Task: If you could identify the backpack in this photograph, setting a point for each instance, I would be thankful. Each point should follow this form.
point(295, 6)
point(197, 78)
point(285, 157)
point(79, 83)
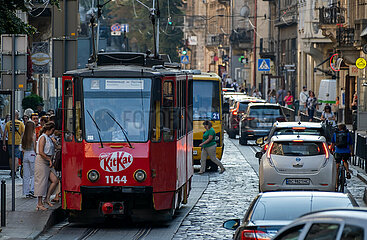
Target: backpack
point(341, 140)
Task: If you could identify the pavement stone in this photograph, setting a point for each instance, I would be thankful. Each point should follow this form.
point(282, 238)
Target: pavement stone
point(25, 222)
point(227, 196)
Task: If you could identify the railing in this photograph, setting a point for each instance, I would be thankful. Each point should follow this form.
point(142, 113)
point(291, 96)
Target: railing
point(267, 46)
point(360, 158)
point(214, 40)
point(345, 36)
point(241, 36)
point(332, 15)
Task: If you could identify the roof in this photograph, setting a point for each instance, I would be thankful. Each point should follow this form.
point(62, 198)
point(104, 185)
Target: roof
point(298, 124)
point(356, 213)
point(251, 99)
point(303, 194)
point(306, 138)
point(206, 76)
point(264, 104)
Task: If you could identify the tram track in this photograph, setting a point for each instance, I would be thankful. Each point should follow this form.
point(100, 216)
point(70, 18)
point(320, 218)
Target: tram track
point(142, 233)
point(88, 233)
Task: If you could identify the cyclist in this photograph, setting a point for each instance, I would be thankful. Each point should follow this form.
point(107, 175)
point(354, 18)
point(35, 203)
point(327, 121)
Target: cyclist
point(342, 142)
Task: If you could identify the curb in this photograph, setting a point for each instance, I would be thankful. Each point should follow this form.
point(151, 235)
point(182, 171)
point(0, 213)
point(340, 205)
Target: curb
point(57, 216)
point(363, 178)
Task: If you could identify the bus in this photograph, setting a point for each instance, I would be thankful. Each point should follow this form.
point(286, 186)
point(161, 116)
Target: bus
point(207, 105)
point(127, 139)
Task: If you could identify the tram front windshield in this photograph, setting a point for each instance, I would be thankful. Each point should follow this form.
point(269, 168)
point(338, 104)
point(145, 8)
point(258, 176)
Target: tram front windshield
point(206, 100)
point(127, 100)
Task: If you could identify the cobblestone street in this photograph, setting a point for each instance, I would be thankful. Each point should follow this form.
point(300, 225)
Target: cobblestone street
point(228, 196)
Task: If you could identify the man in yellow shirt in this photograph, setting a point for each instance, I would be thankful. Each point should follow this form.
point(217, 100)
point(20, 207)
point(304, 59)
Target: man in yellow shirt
point(19, 130)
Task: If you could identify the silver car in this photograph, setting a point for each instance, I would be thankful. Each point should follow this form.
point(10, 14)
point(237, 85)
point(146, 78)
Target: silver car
point(337, 224)
point(297, 163)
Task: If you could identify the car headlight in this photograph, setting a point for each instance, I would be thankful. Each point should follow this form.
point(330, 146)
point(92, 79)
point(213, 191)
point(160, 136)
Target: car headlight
point(140, 175)
point(93, 175)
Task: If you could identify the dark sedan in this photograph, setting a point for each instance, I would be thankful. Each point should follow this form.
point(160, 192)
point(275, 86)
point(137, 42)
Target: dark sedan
point(271, 211)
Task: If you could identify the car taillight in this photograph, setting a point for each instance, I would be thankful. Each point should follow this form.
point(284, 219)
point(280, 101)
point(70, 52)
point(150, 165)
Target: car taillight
point(281, 119)
point(249, 118)
point(326, 150)
point(254, 235)
point(269, 150)
point(235, 113)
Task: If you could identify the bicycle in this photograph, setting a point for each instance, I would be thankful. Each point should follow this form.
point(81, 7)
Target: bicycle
point(341, 177)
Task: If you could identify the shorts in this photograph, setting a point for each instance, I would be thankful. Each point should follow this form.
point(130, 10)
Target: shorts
point(340, 156)
point(16, 151)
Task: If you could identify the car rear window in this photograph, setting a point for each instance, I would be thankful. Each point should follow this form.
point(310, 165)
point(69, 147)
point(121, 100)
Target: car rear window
point(319, 203)
point(297, 148)
point(265, 110)
point(272, 208)
point(291, 131)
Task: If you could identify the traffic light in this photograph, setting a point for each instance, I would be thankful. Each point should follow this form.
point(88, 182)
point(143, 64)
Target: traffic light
point(240, 59)
point(184, 52)
point(169, 20)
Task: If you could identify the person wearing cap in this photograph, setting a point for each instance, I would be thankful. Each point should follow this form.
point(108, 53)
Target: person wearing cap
point(302, 100)
point(19, 130)
point(40, 110)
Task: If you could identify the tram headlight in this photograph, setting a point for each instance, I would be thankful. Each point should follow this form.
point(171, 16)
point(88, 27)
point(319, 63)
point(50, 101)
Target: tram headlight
point(93, 175)
point(140, 175)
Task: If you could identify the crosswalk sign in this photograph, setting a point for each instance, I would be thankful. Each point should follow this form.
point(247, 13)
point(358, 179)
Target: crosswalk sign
point(185, 59)
point(263, 64)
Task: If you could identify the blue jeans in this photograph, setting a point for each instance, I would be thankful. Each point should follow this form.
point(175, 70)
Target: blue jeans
point(310, 113)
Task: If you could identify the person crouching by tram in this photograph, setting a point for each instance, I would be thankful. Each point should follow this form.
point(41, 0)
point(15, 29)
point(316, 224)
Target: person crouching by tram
point(208, 147)
point(44, 171)
point(29, 157)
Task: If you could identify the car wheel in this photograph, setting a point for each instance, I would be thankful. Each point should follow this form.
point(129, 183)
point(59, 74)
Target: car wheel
point(211, 167)
point(231, 134)
point(243, 140)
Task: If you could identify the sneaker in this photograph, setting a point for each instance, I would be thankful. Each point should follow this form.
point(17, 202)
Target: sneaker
point(348, 175)
point(31, 195)
point(222, 171)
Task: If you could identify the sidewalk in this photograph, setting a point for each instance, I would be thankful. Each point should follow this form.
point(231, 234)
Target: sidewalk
point(25, 222)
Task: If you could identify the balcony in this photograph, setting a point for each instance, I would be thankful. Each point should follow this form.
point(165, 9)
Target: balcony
point(345, 36)
point(288, 16)
point(214, 40)
point(224, 2)
point(332, 15)
point(267, 48)
point(241, 38)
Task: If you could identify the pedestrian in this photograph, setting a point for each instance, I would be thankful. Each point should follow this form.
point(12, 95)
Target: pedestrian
point(281, 95)
point(302, 100)
point(311, 105)
point(228, 81)
point(289, 100)
point(328, 116)
point(272, 96)
point(43, 121)
point(342, 141)
point(40, 110)
point(335, 108)
point(25, 119)
point(209, 147)
point(354, 103)
point(235, 85)
point(19, 130)
point(256, 93)
point(35, 119)
point(44, 171)
point(29, 157)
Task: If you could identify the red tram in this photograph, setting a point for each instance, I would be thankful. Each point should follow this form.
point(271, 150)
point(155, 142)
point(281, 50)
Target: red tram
point(127, 138)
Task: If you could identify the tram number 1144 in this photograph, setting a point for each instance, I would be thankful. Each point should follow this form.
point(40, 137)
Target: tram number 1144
point(115, 179)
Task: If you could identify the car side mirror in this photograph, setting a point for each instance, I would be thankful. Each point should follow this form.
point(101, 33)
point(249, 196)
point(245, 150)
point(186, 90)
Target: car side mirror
point(225, 108)
point(260, 141)
point(232, 224)
point(259, 155)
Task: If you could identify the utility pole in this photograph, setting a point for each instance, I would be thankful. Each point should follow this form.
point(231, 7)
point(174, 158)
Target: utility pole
point(254, 49)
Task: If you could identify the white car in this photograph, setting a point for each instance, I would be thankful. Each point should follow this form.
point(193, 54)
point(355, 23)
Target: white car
point(297, 163)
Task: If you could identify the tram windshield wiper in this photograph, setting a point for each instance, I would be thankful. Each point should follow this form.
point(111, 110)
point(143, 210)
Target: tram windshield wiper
point(122, 129)
point(98, 129)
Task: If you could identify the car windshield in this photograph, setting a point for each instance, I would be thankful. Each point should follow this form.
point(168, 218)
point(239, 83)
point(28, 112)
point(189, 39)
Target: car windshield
point(127, 100)
point(272, 208)
point(298, 148)
point(206, 100)
point(291, 131)
point(243, 107)
point(264, 110)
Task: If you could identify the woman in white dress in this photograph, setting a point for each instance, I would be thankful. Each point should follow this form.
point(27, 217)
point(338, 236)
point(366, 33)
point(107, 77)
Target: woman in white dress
point(44, 171)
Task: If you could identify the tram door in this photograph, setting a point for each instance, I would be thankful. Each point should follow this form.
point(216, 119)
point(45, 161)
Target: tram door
point(5, 109)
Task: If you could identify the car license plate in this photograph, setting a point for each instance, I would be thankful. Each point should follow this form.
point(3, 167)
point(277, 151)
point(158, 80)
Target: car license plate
point(195, 152)
point(298, 181)
point(264, 124)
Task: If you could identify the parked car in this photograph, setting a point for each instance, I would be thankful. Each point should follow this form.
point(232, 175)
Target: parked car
point(292, 128)
point(258, 120)
point(240, 107)
point(335, 224)
point(297, 163)
point(271, 211)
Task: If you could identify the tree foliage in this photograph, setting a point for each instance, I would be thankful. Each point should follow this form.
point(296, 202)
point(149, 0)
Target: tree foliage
point(31, 101)
point(10, 23)
point(141, 29)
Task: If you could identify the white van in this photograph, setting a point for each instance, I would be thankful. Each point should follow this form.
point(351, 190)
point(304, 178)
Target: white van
point(327, 93)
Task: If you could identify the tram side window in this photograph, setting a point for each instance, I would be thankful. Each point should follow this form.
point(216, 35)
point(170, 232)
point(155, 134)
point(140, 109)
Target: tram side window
point(68, 111)
point(167, 110)
point(190, 106)
point(181, 102)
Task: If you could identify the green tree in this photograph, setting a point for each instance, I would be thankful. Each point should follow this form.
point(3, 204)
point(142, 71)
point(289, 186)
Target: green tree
point(31, 101)
point(10, 23)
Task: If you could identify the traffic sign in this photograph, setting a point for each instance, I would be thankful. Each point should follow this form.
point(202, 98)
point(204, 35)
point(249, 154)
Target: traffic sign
point(361, 63)
point(125, 28)
point(185, 59)
point(263, 64)
point(116, 27)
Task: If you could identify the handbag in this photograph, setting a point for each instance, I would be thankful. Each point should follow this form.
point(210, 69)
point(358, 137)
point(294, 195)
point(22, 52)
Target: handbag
point(57, 160)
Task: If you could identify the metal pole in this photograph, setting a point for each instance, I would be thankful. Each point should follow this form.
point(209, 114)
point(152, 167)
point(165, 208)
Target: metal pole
point(13, 123)
point(97, 42)
point(255, 29)
point(57, 93)
point(3, 203)
point(158, 35)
